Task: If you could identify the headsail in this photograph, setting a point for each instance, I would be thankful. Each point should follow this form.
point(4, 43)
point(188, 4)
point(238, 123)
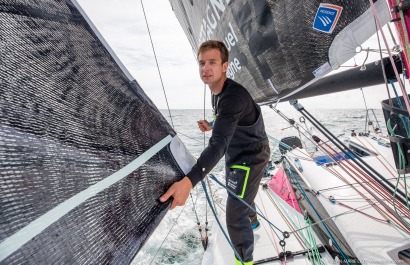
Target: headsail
point(84, 153)
point(276, 46)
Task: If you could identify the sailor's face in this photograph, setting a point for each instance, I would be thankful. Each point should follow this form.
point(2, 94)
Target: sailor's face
point(211, 68)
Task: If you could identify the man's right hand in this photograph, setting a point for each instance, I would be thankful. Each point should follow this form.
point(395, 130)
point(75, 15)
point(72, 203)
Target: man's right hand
point(179, 191)
point(204, 126)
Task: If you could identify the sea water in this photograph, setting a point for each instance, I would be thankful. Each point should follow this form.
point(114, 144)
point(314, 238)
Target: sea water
point(177, 239)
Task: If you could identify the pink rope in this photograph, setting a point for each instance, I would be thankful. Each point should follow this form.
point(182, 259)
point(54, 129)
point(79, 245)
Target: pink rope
point(403, 91)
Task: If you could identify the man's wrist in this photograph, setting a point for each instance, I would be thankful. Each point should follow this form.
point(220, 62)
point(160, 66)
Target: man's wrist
point(188, 181)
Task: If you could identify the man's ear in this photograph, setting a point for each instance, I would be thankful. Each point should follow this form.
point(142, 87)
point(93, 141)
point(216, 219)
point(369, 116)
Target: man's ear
point(225, 66)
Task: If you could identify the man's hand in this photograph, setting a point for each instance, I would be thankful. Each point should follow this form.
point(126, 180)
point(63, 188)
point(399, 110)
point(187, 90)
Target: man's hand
point(204, 126)
point(179, 191)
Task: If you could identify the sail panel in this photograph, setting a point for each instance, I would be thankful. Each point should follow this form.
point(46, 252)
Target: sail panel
point(282, 45)
point(356, 33)
point(81, 171)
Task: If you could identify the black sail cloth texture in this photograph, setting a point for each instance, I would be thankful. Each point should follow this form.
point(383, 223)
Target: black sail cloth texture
point(279, 47)
point(71, 119)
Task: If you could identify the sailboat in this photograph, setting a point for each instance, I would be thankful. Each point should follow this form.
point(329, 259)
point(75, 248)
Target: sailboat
point(85, 154)
point(349, 204)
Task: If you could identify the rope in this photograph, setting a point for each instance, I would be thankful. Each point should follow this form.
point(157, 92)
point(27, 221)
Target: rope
point(219, 223)
point(245, 203)
point(156, 61)
point(172, 122)
point(347, 185)
point(160, 247)
point(270, 228)
point(377, 154)
point(288, 220)
point(367, 113)
point(373, 186)
point(313, 252)
point(317, 214)
point(206, 177)
point(401, 166)
point(187, 136)
point(406, 99)
point(406, 125)
point(203, 241)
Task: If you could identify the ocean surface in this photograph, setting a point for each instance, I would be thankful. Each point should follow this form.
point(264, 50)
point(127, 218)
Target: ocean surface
point(176, 240)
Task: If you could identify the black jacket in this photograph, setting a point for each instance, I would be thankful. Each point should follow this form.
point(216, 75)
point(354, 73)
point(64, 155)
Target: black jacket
point(234, 108)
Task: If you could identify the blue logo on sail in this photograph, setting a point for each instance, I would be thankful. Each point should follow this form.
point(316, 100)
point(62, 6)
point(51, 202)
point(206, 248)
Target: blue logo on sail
point(326, 18)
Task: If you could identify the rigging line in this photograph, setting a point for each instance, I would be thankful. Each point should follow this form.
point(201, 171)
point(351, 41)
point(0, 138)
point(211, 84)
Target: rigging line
point(367, 113)
point(375, 186)
point(222, 207)
point(376, 154)
point(197, 219)
point(176, 220)
point(363, 165)
point(179, 133)
point(322, 221)
point(219, 223)
point(382, 201)
point(405, 33)
point(349, 185)
point(286, 218)
point(359, 173)
point(156, 61)
point(382, 64)
point(363, 67)
point(206, 177)
point(404, 93)
point(166, 99)
point(363, 175)
point(317, 214)
point(283, 116)
point(366, 199)
point(361, 212)
point(401, 162)
point(392, 36)
point(346, 180)
point(241, 200)
point(313, 253)
point(405, 124)
point(270, 228)
point(279, 211)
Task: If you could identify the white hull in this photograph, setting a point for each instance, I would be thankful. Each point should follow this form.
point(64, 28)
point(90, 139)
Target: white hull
point(371, 238)
point(219, 251)
point(373, 241)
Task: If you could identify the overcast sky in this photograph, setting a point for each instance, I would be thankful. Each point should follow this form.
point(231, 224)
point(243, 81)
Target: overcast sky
point(123, 26)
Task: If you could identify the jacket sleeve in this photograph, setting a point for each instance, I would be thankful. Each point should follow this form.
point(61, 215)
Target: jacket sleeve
point(230, 108)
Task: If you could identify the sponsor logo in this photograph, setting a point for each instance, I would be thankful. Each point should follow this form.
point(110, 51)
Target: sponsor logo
point(326, 18)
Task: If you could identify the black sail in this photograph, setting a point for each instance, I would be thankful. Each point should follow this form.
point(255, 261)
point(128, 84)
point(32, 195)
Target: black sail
point(283, 45)
point(84, 153)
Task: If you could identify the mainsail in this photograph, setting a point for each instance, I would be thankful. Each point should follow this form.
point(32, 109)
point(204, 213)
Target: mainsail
point(281, 46)
point(84, 153)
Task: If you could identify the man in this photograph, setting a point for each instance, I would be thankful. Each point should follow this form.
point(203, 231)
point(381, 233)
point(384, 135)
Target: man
point(238, 133)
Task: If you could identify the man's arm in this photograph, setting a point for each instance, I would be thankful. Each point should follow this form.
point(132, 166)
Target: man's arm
point(179, 191)
point(224, 128)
